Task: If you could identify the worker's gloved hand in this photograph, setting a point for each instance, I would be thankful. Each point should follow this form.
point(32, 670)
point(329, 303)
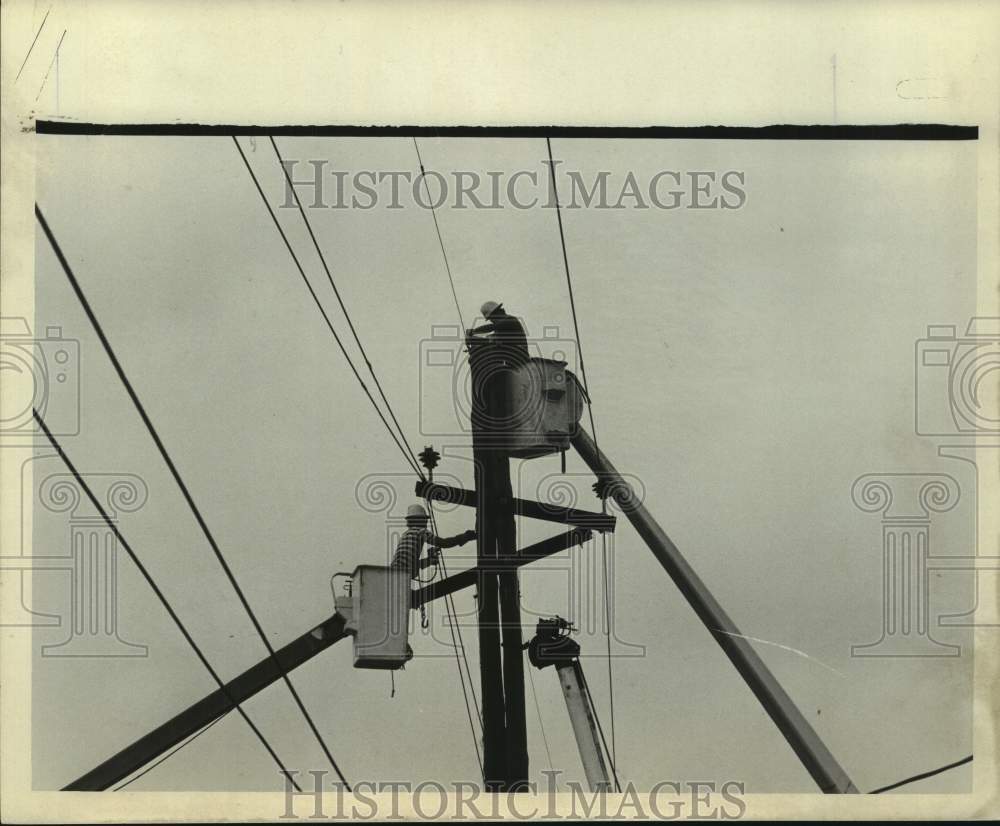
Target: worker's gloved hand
point(468, 536)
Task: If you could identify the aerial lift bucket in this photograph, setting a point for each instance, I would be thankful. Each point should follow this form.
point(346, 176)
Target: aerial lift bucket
point(376, 610)
point(543, 405)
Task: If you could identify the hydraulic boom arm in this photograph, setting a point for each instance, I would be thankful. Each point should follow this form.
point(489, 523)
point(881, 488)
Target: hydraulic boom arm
point(819, 762)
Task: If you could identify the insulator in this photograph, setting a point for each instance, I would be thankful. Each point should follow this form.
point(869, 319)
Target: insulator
point(602, 488)
point(429, 457)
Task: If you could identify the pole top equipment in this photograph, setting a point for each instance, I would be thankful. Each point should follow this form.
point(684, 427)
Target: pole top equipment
point(552, 644)
point(429, 458)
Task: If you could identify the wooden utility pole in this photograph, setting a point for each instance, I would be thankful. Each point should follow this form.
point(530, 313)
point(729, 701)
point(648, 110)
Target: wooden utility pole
point(510, 616)
point(487, 590)
point(501, 657)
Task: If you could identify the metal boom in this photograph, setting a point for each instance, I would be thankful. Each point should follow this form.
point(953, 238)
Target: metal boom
point(300, 650)
point(819, 762)
point(254, 679)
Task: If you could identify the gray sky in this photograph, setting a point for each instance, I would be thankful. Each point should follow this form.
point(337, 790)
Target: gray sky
point(747, 366)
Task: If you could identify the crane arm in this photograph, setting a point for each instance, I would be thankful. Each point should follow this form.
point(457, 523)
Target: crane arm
point(801, 736)
point(254, 679)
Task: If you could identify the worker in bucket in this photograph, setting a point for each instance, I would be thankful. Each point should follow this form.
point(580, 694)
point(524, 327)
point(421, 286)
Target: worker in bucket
point(507, 333)
point(411, 543)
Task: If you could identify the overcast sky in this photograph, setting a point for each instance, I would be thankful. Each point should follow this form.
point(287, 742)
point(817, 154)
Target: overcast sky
point(746, 365)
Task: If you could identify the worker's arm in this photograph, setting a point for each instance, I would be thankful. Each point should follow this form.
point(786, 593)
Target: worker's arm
point(486, 328)
point(452, 541)
point(436, 543)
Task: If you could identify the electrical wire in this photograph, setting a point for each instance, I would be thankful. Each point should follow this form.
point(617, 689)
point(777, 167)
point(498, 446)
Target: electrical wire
point(538, 712)
point(607, 630)
point(326, 318)
point(53, 62)
point(449, 598)
point(923, 775)
point(453, 620)
point(593, 429)
point(600, 730)
point(459, 646)
point(340, 301)
point(156, 589)
point(173, 751)
point(437, 229)
point(32, 46)
point(569, 286)
point(185, 492)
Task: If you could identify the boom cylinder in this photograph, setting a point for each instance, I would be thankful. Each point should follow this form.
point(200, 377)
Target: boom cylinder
point(581, 715)
point(806, 743)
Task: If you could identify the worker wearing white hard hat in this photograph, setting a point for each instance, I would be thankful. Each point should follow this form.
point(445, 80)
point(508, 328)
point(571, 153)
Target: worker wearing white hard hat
point(411, 543)
point(507, 331)
point(489, 307)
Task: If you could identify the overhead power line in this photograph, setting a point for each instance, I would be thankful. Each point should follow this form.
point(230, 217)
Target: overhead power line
point(172, 752)
point(453, 624)
point(923, 775)
point(319, 305)
point(53, 62)
point(32, 46)
point(459, 646)
point(600, 730)
point(538, 713)
point(152, 584)
point(437, 229)
point(184, 490)
point(340, 301)
point(593, 430)
point(569, 286)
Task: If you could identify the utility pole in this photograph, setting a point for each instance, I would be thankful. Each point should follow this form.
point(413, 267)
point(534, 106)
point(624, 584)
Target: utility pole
point(510, 615)
point(487, 591)
point(500, 650)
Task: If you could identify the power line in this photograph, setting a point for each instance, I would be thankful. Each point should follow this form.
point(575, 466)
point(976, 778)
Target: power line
point(923, 776)
point(149, 579)
point(593, 429)
point(452, 612)
point(449, 599)
point(453, 620)
point(600, 730)
point(437, 229)
point(319, 305)
point(32, 46)
point(173, 751)
point(607, 632)
point(459, 645)
point(569, 286)
point(538, 712)
point(53, 62)
point(336, 292)
point(184, 489)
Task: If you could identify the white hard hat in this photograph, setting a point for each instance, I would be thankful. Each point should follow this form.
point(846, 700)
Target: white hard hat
point(416, 512)
point(489, 308)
